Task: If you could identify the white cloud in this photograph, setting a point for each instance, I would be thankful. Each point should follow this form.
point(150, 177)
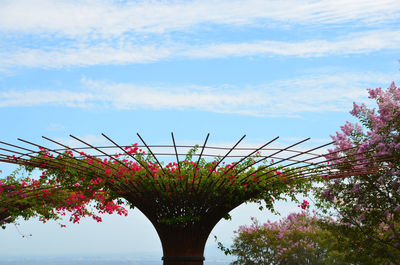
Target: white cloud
point(129, 96)
point(311, 93)
point(364, 42)
point(83, 56)
point(112, 18)
point(44, 97)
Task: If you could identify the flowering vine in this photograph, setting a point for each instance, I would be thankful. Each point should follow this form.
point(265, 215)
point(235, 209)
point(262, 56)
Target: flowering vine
point(71, 181)
point(27, 197)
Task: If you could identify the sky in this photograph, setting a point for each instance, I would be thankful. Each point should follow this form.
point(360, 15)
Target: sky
point(262, 68)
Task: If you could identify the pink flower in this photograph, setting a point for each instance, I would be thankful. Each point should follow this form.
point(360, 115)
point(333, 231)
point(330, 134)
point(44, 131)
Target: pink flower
point(347, 129)
point(357, 109)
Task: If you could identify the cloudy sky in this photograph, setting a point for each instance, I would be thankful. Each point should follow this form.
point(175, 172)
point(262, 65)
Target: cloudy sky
point(261, 68)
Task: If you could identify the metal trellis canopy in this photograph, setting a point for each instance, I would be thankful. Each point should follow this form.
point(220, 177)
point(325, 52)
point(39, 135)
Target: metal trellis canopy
point(183, 205)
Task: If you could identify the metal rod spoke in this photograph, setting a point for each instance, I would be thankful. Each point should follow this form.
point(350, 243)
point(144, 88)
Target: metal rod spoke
point(132, 156)
point(198, 161)
point(238, 163)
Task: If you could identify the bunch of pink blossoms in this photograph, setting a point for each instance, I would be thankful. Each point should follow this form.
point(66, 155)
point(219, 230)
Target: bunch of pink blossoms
point(296, 239)
point(370, 203)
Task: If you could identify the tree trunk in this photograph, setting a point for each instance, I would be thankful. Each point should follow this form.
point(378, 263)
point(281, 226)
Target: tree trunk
point(183, 246)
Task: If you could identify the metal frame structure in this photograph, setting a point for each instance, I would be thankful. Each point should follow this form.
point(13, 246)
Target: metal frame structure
point(183, 242)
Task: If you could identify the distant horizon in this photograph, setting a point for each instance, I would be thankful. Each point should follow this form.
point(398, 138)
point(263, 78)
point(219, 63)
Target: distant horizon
point(211, 253)
point(104, 258)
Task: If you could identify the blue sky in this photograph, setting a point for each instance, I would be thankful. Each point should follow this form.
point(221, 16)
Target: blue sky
point(261, 68)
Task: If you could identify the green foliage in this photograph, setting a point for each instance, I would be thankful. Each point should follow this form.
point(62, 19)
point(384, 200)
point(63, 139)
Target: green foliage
point(19, 197)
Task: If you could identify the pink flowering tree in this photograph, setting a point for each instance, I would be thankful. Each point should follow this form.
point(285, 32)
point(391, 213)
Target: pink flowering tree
point(369, 205)
point(296, 239)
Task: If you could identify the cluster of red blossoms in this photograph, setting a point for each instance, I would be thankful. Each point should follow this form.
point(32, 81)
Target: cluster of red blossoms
point(87, 185)
point(48, 199)
point(304, 205)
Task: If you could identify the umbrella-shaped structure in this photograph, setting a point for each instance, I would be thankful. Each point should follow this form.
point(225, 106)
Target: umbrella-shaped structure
point(187, 197)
